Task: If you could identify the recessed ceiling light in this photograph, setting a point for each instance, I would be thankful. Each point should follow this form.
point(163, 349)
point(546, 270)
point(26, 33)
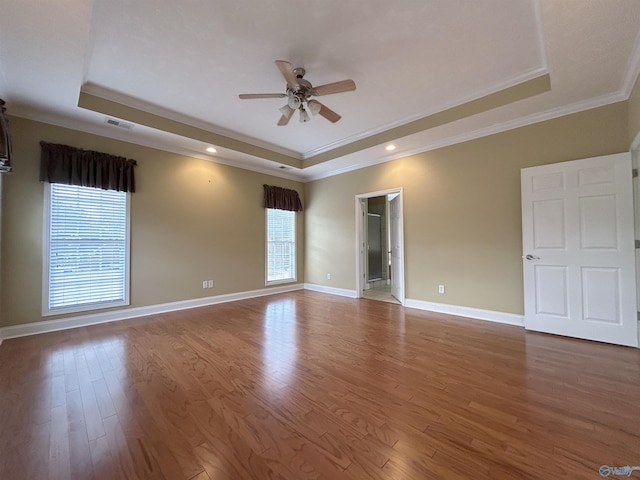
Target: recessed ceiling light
point(390, 148)
point(211, 150)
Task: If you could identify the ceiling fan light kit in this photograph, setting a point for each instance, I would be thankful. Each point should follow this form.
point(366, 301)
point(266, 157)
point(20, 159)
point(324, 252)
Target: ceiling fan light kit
point(286, 110)
point(299, 93)
point(314, 107)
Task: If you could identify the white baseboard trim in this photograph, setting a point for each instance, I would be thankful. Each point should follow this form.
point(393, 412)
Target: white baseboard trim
point(15, 331)
point(343, 292)
point(477, 313)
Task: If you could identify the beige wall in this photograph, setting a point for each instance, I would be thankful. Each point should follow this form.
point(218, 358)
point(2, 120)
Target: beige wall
point(191, 220)
point(462, 215)
point(634, 112)
point(194, 220)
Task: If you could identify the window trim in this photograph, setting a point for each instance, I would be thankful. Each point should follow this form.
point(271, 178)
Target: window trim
point(268, 282)
point(46, 246)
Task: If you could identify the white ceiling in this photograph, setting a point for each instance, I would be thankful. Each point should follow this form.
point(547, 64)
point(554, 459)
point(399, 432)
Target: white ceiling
point(189, 60)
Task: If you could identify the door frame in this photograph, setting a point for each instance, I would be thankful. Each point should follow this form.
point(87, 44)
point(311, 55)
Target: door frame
point(635, 163)
point(360, 225)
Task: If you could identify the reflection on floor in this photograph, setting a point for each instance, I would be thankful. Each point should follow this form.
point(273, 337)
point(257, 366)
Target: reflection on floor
point(380, 292)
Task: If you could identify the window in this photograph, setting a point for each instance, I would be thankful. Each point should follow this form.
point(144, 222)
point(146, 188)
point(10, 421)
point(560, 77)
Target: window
point(86, 249)
point(281, 246)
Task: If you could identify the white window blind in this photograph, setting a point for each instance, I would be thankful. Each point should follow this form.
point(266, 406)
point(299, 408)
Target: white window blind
point(86, 249)
point(281, 246)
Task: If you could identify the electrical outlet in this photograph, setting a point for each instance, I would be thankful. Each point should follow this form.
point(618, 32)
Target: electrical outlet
point(440, 288)
point(210, 284)
point(328, 276)
point(204, 284)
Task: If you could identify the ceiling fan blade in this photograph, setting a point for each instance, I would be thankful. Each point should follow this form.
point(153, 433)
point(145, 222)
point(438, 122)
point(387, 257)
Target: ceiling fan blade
point(284, 119)
point(336, 87)
point(287, 72)
point(248, 96)
point(326, 112)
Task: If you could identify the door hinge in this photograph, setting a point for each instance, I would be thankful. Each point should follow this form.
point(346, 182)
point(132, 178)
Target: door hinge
point(634, 173)
point(637, 243)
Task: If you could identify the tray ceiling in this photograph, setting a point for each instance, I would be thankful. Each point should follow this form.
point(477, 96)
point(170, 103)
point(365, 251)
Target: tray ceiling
point(428, 72)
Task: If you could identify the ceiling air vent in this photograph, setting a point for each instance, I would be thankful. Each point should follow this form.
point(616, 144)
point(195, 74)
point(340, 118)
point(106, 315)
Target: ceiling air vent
point(118, 123)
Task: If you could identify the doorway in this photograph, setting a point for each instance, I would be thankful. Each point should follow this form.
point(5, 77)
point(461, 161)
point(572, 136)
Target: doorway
point(380, 246)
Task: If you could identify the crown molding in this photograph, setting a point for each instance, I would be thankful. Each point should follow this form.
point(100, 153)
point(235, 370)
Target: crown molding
point(498, 87)
point(523, 122)
point(157, 144)
point(630, 77)
point(113, 96)
point(541, 70)
point(480, 133)
point(349, 168)
point(299, 175)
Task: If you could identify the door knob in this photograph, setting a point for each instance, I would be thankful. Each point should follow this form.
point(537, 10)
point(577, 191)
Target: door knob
point(531, 257)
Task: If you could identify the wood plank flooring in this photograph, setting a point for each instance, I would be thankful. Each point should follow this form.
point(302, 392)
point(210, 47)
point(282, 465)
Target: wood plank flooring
point(304, 386)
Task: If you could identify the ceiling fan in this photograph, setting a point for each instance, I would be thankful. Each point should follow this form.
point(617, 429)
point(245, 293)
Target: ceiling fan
point(299, 92)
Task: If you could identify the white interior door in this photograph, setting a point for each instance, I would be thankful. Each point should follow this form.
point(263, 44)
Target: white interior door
point(578, 249)
point(397, 265)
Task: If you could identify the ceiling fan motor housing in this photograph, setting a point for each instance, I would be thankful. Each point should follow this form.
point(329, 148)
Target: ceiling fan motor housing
point(295, 100)
point(299, 92)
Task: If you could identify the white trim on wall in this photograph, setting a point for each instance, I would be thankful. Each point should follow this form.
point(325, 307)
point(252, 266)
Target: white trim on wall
point(47, 253)
point(476, 313)
point(66, 323)
point(434, 109)
point(342, 292)
point(360, 225)
point(16, 331)
point(635, 159)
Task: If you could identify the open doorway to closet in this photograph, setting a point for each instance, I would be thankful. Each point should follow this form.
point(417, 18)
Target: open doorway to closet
point(380, 246)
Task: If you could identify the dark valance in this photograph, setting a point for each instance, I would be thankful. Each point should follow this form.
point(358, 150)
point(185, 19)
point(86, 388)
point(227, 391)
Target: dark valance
point(281, 198)
point(86, 168)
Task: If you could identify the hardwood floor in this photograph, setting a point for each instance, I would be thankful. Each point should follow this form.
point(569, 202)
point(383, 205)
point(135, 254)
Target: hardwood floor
point(305, 385)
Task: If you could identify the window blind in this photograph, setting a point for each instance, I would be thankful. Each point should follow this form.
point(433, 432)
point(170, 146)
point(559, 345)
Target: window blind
point(88, 247)
point(281, 245)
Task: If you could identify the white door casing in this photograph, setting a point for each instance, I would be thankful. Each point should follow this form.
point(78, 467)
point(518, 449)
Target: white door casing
point(397, 262)
point(364, 206)
point(395, 225)
point(579, 249)
point(635, 160)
